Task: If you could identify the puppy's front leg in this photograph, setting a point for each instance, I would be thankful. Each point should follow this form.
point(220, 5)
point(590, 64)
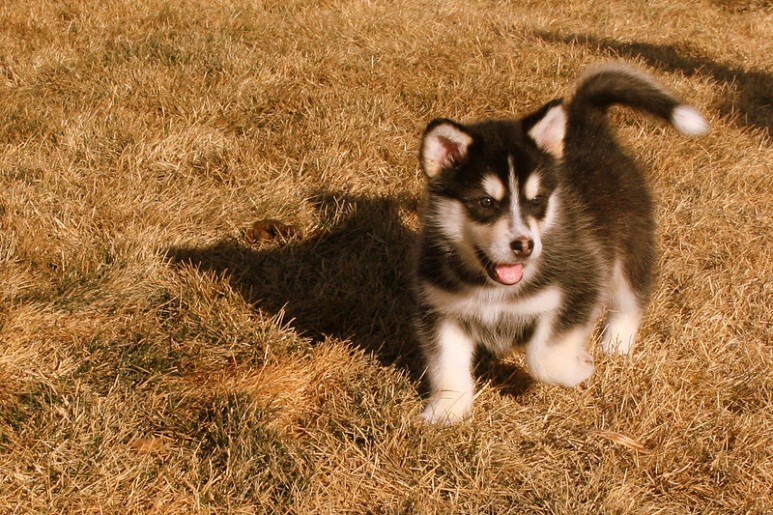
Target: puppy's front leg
point(559, 357)
point(449, 370)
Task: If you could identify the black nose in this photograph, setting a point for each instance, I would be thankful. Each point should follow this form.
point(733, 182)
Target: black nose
point(522, 247)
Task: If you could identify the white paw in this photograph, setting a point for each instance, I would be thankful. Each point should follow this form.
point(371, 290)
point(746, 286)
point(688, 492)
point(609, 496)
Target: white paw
point(575, 371)
point(616, 343)
point(620, 334)
point(447, 409)
point(557, 366)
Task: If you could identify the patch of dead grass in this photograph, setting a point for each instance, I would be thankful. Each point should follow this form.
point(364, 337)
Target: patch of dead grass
point(155, 358)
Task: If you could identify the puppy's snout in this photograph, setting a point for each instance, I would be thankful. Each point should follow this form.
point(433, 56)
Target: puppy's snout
point(522, 247)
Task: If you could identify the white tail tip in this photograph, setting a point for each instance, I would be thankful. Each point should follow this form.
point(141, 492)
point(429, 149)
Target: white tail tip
point(688, 120)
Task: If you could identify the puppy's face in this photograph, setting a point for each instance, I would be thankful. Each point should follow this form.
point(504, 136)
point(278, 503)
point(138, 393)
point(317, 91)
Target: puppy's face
point(492, 193)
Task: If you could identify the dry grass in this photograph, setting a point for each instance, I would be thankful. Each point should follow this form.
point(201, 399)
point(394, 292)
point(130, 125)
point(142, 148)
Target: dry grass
point(156, 358)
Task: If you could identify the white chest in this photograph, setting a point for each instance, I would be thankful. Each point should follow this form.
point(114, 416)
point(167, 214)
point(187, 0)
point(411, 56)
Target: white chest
point(492, 305)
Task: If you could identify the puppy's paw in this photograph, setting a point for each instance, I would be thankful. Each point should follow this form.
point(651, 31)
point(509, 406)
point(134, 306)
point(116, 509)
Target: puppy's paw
point(580, 371)
point(620, 334)
point(616, 344)
point(561, 366)
point(571, 370)
point(447, 410)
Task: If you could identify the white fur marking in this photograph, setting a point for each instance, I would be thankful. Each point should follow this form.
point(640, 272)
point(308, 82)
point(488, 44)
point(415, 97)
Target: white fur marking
point(549, 132)
point(531, 188)
point(450, 376)
point(688, 120)
point(551, 215)
point(536, 238)
point(494, 187)
point(624, 314)
point(518, 229)
point(559, 359)
point(489, 304)
point(620, 333)
point(448, 215)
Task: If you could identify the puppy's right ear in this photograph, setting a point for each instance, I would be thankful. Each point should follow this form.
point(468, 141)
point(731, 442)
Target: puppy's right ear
point(444, 144)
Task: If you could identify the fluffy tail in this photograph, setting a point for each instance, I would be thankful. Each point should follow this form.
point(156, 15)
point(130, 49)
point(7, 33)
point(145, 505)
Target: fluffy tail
point(616, 83)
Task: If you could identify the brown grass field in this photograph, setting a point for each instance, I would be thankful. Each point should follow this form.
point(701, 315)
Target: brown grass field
point(159, 354)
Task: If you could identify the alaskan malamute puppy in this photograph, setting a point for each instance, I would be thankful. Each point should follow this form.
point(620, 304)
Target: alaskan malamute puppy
point(531, 228)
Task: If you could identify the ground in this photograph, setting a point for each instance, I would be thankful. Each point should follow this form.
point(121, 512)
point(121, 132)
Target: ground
point(159, 352)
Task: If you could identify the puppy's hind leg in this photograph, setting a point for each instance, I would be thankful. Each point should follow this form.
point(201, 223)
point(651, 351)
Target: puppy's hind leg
point(625, 312)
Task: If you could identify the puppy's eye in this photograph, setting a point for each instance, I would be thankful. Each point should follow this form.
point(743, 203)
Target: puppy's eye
point(537, 201)
point(486, 202)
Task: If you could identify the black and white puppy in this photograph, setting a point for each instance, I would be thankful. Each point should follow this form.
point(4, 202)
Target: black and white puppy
point(531, 228)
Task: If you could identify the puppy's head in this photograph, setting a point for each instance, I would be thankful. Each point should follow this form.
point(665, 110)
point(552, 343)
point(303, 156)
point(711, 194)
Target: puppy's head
point(492, 189)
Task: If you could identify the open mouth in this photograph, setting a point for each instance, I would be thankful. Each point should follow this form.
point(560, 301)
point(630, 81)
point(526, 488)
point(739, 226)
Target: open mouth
point(503, 273)
point(507, 274)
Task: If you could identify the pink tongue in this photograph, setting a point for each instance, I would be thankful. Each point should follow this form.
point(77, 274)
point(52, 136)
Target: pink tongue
point(509, 274)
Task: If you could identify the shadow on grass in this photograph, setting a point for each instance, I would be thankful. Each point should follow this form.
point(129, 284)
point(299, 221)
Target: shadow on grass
point(351, 282)
point(753, 102)
point(506, 378)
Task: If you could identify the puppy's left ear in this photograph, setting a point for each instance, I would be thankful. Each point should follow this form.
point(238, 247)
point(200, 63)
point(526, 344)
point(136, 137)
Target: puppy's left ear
point(445, 143)
point(547, 127)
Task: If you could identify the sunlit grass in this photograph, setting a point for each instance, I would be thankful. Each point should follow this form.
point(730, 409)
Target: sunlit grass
point(155, 356)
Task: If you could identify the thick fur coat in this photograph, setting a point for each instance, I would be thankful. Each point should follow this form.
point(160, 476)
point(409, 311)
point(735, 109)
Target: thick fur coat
point(532, 228)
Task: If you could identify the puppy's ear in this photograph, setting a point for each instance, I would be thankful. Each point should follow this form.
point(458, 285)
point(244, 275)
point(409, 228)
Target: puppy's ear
point(444, 144)
point(547, 127)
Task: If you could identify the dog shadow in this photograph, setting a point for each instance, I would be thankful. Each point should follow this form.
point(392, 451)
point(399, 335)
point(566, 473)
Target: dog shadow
point(503, 376)
point(351, 282)
point(754, 97)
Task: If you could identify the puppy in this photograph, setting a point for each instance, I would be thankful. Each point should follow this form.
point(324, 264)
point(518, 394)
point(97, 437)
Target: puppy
point(531, 228)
